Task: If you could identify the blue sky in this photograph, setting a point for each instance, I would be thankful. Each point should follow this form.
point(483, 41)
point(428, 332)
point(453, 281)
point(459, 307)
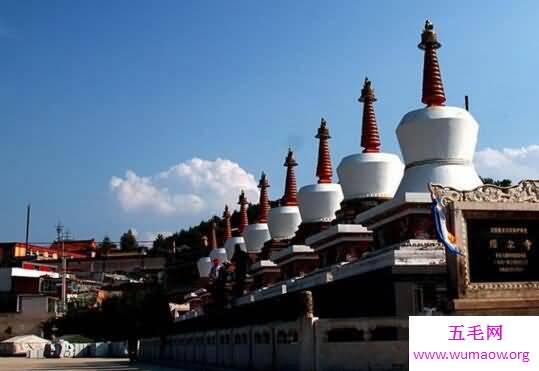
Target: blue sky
point(93, 89)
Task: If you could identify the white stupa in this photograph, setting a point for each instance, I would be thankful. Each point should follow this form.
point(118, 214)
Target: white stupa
point(437, 142)
point(319, 202)
point(371, 174)
point(257, 234)
point(230, 240)
point(220, 254)
point(204, 266)
point(215, 251)
point(230, 245)
point(283, 221)
point(205, 263)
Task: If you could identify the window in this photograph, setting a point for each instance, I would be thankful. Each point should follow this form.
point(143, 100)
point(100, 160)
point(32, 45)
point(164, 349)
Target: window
point(287, 338)
point(51, 305)
point(345, 335)
point(384, 334)
point(281, 337)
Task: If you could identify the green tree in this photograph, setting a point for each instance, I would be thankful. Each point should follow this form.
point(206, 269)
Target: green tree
point(140, 311)
point(160, 245)
point(105, 246)
point(128, 241)
point(499, 183)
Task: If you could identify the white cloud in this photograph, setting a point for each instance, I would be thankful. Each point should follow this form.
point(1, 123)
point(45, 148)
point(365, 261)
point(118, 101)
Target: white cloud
point(140, 193)
point(512, 163)
point(195, 186)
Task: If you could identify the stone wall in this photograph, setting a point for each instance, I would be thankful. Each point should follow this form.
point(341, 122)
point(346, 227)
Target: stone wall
point(13, 324)
point(373, 344)
point(87, 267)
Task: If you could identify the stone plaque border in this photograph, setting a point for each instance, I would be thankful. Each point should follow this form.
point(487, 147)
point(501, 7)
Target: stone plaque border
point(521, 199)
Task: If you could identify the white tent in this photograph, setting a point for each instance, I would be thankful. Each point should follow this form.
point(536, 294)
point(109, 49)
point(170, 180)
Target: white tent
point(20, 345)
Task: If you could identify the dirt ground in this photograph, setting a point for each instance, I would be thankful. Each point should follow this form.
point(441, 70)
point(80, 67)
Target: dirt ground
point(77, 364)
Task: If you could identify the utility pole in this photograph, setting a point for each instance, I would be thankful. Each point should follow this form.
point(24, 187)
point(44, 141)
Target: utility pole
point(66, 237)
point(27, 226)
point(60, 239)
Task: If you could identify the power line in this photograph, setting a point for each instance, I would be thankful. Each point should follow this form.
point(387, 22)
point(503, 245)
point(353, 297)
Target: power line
point(68, 241)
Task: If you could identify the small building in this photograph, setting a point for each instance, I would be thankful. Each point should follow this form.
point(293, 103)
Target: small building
point(80, 247)
point(24, 301)
point(12, 253)
point(37, 304)
point(15, 282)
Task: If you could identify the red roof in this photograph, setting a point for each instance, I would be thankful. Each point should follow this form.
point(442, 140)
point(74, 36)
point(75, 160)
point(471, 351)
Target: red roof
point(39, 266)
point(77, 246)
point(52, 250)
point(42, 249)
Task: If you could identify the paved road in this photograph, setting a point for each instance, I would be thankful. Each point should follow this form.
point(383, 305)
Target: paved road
point(77, 364)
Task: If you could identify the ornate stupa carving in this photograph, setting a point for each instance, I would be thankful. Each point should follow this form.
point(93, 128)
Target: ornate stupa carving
point(264, 204)
point(212, 237)
point(257, 234)
point(370, 137)
point(437, 142)
point(369, 177)
point(227, 233)
point(231, 239)
point(324, 170)
point(244, 218)
point(290, 197)
point(433, 87)
point(319, 202)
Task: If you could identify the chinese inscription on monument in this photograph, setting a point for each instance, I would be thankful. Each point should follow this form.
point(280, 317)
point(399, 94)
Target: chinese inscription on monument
point(503, 250)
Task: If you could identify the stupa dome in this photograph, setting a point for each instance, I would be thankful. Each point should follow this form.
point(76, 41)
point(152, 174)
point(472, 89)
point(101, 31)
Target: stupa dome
point(437, 142)
point(371, 174)
point(230, 245)
point(231, 241)
point(283, 221)
point(215, 252)
point(204, 266)
point(219, 253)
point(257, 234)
point(319, 202)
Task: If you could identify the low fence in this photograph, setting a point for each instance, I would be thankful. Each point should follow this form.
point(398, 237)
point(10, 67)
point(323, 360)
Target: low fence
point(347, 344)
point(117, 349)
point(306, 344)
